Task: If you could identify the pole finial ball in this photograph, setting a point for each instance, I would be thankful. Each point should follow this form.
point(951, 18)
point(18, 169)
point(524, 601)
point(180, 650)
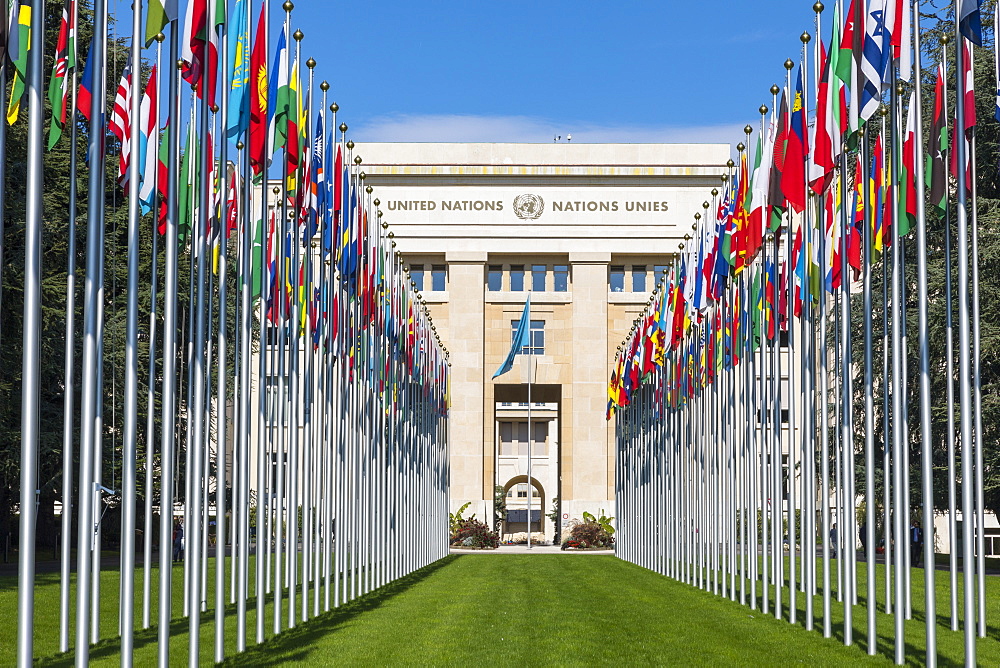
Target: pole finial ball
point(789, 64)
point(740, 147)
point(748, 129)
point(805, 37)
point(687, 237)
point(818, 7)
point(324, 86)
point(180, 63)
point(334, 107)
point(730, 164)
point(276, 190)
point(376, 201)
point(724, 177)
point(297, 35)
point(287, 6)
point(350, 144)
point(705, 205)
point(385, 225)
point(774, 89)
point(762, 109)
point(239, 146)
point(945, 38)
point(900, 88)
point(160, 37)
point(697, 216)
point(310, 63)
point(215, 108)
point(343, 127)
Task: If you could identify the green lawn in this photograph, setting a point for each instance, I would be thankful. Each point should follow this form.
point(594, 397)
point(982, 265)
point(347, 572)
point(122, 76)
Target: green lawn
point(528, 609)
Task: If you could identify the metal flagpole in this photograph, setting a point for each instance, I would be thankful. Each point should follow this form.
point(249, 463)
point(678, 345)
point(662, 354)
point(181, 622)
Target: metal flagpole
point(30, 374)
point(964, 348)
point(89, 395)
point(866, 262)
point(927, 436)
point(66, 542)
point(221, 440)
point(131, 355)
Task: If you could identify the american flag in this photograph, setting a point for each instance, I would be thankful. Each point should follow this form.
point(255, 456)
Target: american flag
point(121, 121)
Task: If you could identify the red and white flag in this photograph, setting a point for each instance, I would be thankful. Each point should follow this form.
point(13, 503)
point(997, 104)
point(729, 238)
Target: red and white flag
point(120, 124)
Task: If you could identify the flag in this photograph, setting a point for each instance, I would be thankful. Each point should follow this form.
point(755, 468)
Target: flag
point(902, 37)
point(937, 146)
point(63, 61)
point(969, 21)
point(876, 53)
point(238, 38)
point(278, 91)
point(258, 97)
point(793, 177)
point(848, 70)
point(520, 338)
point(827, 130)
point(158, 15)
point(120, 124)
point(4, 29)
point(193, 41)
point(149, 129)
point(19, 58)
point(83, 97)
point(966, 83)
point(907, 205)
point(775, 197)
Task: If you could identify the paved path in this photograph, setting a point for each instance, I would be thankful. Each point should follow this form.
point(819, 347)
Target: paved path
point(535, 549)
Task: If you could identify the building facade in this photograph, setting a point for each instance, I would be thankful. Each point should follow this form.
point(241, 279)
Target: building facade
point(587, 229)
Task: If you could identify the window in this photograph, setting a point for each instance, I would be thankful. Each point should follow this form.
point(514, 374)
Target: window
point(617, 279)
point(276, 397)
point(276, 334)
point(767, 416)
point(561, 278)
point(538, 272)
point(514, 438)
point(437, 277)
point(658, 270)
point(638, 278)
point(536, 337)
point(417, 274)
point(517, 278)
point(494, 278)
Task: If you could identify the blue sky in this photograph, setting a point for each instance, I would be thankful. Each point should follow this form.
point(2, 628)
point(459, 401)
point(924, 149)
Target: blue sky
point(526, 71)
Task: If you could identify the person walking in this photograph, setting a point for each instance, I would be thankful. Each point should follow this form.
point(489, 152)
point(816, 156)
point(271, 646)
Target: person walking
point(833, 541)
point(178, 540)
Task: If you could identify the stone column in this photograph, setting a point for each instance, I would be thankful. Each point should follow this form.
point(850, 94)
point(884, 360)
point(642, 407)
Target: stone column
point(471, 452)
point(587, 436)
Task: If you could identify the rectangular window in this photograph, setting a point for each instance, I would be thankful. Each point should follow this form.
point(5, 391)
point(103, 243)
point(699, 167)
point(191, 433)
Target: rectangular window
point(638, 278)
point(617, 279)
point(538, 272)
point(276, 334)
point(438, 278)
point(417, 274)
point(276, 399)
point(494, 278)
point(541, 430)
point(658, 270)
point(536, 337)
point(561, 278)
point(517, 278)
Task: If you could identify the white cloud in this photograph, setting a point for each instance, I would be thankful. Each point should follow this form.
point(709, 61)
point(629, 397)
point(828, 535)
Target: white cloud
point(470, 128)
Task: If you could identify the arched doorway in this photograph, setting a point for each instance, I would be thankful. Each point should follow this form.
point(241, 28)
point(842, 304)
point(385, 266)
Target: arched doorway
point(521, 505)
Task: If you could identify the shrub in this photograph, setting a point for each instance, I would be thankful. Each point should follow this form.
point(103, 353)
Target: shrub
point(588, 534)
point(473, 533)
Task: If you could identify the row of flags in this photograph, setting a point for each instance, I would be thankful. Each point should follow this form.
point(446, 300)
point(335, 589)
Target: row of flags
point(797, 165)
point(234, 155)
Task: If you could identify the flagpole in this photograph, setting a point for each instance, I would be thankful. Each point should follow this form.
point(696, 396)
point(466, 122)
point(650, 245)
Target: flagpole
point(131, 355)
point(169, 396)
point(221, 440)
point(65, 541)
point(31, 349)
point(91, 360)
point(926, 431)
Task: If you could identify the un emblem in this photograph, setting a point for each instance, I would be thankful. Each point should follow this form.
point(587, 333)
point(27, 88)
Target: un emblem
point(528, 206)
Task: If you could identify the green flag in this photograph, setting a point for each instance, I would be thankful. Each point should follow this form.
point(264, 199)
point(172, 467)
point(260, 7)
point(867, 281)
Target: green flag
point(19, 57)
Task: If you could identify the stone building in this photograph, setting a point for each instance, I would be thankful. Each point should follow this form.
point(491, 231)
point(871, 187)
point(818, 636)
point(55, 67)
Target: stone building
point(586, 229)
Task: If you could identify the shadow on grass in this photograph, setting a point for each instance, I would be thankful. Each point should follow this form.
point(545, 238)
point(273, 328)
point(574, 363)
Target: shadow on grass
point(296, 644)
point(885, 642)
